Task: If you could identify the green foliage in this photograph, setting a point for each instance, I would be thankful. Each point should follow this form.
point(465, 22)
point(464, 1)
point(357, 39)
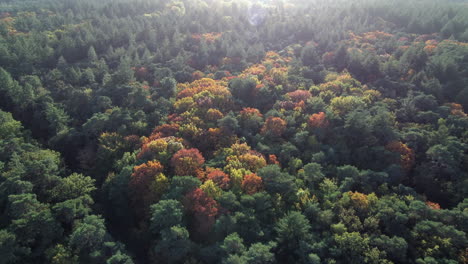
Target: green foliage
point(312, 174)
point(329, 131)
point(174, 245)
point(9, 127)
point(233, 244)
point(276, 181)
point(33, 223)
point(88, 237)
point(165, 214)
point(242, 89)
point(73, 186)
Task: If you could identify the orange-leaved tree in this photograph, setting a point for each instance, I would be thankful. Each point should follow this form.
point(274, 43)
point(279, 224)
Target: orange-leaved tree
point(252, 184)
point(407, 156)
point(219, 177)
point(274, 126)
point(318, 120)
point(142, 183)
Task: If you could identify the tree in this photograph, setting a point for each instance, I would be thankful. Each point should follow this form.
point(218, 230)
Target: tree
point(259, 253)
point(143, 178)
point(124, 73)
point(276, 181)
point(292, 230)
point(438, 240)
point(318, 121)
point(33, 224)
point(187, 162)
point(246, 159)
point(168, 87)
point(92, 56)
point(250, 120)
point(233, 244)
point(243, 89)
point(299, 95)
point(252, 184)
point(165, 214)
point(13, 95)
point(73, 209)
point(174, 245)
point(62, 254)
point(309, 55)
point(72, 187)
point(407, 156)
point(211, 189)
point(395, 247)
point(274, 126)
point(88, 237)
point(220, 178)
point(10, 251)
point(229, 122)
point(119, 258)
point(312, 174)
point(203, 208)
point(343, 105)
point(9, 127)
point(352, 246)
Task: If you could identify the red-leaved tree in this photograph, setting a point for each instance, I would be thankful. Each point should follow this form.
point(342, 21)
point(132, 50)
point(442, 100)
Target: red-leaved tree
point(203, 209)
point(140, 184)
point(299, 95)
point(219, 178)
point(187, 162)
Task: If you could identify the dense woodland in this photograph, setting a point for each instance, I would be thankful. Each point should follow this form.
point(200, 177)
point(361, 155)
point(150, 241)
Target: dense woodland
point(234, 132)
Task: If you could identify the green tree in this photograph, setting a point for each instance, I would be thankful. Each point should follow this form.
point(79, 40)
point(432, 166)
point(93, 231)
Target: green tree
point(88, 237)
point(165, 214)
point(174, 245)
point(33, 224)
point(9, 127)
point(293, 230)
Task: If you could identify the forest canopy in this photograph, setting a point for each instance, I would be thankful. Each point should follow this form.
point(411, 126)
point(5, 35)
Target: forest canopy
point(222, 131)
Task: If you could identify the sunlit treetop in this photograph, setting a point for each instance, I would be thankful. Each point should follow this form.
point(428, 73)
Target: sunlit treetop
point(202, 85)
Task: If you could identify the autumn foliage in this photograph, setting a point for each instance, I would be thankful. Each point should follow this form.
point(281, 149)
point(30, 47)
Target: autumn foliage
point(433, 206)
point(318, 120)
point(248, 112)
point(165, 130)
point(273, 160)
point(359, 200)
point(219, 178)
point(233, 131)
point(274, 126)
point(208, 37)
point(244, 158)
point(457, 109)
point(187, 162)
point(203, 208)
point(213, 115)
point(204, 84)
point(407, 156)
point(252, 184)
point(141, 183)
point(144, 174)
point(299, 95)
